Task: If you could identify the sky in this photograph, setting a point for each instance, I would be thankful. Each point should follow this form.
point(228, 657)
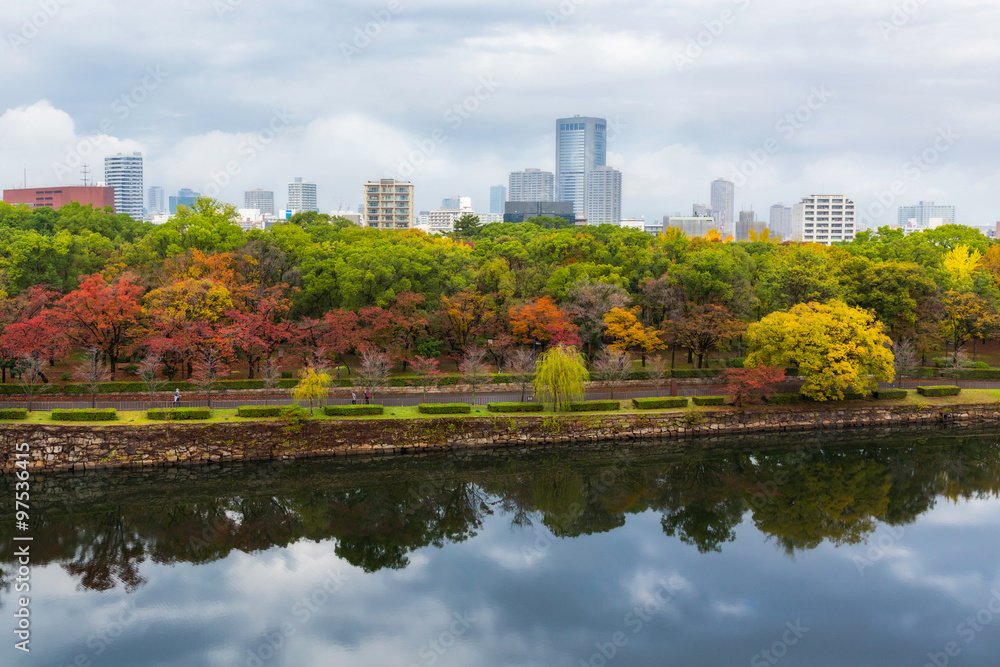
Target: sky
point(887, 101)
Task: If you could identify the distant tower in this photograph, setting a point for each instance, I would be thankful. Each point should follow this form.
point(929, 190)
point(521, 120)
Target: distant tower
point(724, 204)
point(261, 200)
point(581, 147)
point(302, 196)
point(498, 197)
point(123, 172)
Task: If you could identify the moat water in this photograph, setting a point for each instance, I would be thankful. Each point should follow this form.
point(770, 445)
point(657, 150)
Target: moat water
point(858, 548)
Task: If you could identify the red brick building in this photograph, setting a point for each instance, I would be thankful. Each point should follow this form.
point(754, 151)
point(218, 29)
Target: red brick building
point(58, 197)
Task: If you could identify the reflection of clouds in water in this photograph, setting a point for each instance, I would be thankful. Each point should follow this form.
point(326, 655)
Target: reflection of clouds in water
point(975, 512)
point(732, 609)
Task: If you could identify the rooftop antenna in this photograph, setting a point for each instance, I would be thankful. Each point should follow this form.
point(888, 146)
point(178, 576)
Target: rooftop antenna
point(86, 173)
point(25, 177)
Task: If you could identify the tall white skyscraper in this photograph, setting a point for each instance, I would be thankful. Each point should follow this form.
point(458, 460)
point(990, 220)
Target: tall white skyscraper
point(532, 185)
point(156, 201)
point(261, 200)
point(724, 204)
point(498, 197)
point(302, 197)
point(581, 147)
point(825, 219)
point(123, 172)
point(604, 196)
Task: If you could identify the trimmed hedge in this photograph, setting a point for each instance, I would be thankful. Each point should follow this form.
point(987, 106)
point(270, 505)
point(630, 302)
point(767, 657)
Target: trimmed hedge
point(259, 411)
point(974, 373)
point(353, 410)
point(515, 407)
point(595, 406)
point(709, 400)
point(688, 373)
point(178, 414)
point(18, 390)
point(943, 390)
point(659, 403)
point(784, 399)
point(890, 394)
point(855, 395)
point(100, 415)
point(13, 413)
point(444, 408)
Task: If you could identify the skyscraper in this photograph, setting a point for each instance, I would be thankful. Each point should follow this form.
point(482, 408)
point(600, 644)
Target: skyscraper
point(781, 221)
point(923, 214)
point(261, 200)
point(498, 197)
point(456, 203)
point(389, 204)
point(156, 202)
point(825, 219)
point(532, 185)
point(581, 147)
point(184, 197)
point(724, 204)
point(123, 172)
point(302, 197)
point(604, 196)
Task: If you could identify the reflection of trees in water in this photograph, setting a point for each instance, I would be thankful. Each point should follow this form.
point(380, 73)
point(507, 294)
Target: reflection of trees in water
point(379, 513)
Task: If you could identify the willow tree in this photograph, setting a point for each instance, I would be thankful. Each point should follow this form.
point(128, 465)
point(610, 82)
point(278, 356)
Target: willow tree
point(313, 386)
point(559, 376)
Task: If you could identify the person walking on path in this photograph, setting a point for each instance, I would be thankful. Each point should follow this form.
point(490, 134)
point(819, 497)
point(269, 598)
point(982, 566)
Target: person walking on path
point(367, 398)
point(354, 398)
point(177, 396)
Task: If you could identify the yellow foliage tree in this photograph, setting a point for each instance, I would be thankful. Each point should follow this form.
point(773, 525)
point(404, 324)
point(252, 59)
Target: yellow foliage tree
point(193, 299)
point(836, 347)
point(559, 376)
point(312, 386)
point(629, 333)
point(961, 263)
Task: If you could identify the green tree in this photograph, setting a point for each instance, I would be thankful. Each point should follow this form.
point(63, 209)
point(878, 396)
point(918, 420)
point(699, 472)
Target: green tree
point(836, 347)
point(559, 376)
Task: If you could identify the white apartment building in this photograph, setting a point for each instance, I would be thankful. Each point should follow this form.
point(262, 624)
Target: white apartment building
point(302, 197)
point(825, 219)
point(604, 196)
point(389, 204)
point(123, 172)
point(532, 185)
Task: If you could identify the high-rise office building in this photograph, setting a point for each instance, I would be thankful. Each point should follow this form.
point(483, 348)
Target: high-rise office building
point(698, 225)
point(747, 223)
point(156, 202)
point(389, 204)
point(302, 197)
point(261, 200)
point(701, 211)
point(581, 147)
point(604, 196)
point(925, 215)
point(781, 222)
point(825, 219)
point(123, 172)
point(532, 185)
point(724, 204)
point(520, 211)
point(456, 203)
point(184, 197)
point(498, 197)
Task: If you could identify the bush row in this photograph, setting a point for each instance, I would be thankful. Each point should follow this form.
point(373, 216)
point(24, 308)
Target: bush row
point(659, 403)
point(255, 411)
point(444, 409)
point(709, 400)
point(353, 410)
point(943, 390)
point(890, 394)
point(13, 413)
point(595, 406)
point(100, 415)
point(515, 407)
point(178, 414)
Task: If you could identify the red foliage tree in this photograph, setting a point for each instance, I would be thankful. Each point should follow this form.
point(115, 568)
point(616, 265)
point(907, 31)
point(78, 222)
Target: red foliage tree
point(543, 321)
point(752, 385)
point(256, 333)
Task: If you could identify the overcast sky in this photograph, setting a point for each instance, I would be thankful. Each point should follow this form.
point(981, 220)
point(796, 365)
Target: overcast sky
point(691, 89)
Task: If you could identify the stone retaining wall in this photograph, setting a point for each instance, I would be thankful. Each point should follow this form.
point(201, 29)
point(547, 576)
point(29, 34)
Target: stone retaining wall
point(60, 447)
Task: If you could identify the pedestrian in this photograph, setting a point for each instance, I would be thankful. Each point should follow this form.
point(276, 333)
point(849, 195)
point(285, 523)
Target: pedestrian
point(354, 398)
point(177, 396)
point(367, 398)
point(338, 372)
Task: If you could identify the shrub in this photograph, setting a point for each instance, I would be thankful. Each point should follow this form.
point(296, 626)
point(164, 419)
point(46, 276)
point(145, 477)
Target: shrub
point(979, 365)
point(131, 370)
point(890, 394)
point(100, 415)
point(736, 362)
point(975, 374)
point(943, 390)
point(855, 395)
point(709, 400)
point(688, 373)
point(16, 389)
point(287, 375)
point(784, 399)
point(595, 406)
point(259, 411)
point(66, 377)
point(444, 408)
point(13, 413)
point(659, 403)
point(178, 414)
point(515, 407)
point(353, 410)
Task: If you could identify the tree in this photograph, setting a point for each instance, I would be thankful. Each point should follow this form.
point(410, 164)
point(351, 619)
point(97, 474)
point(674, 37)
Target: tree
point(209, 367)
point(270, 373)
point(966, 316)
point(30, 377)
point(149, 369)
point(467, 226)
point(374, 371)
point(961, 263)
point(521, 366)
point(257, 331)
point(587, 304)
point(543, 321)
point(905, 359)
point(752, 385)
point(474, 369)
point(658, 368)
point(628, 333)
point(613, 367)
point(559, 376)
point(428, 372)
point(91, 372)
point(836, 347)
point(706, 326)
point(313, 386)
